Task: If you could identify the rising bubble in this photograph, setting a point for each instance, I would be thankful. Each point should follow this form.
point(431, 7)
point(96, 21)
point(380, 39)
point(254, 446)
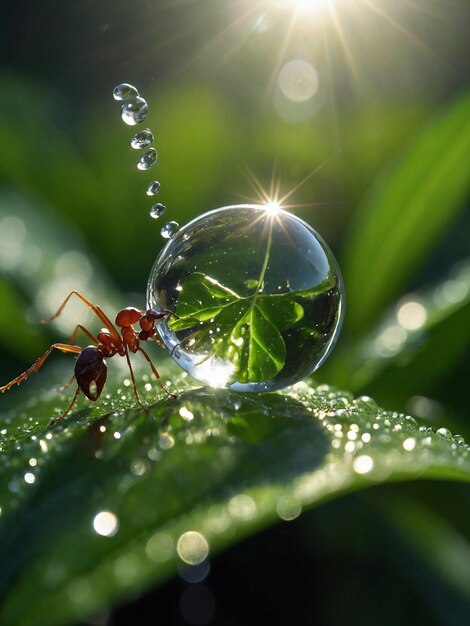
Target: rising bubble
point(134, 111)
point(157, 210)
point(153, 188)
point(142, 139)
point(147, 160)
point(169, 230)
point(124, 91)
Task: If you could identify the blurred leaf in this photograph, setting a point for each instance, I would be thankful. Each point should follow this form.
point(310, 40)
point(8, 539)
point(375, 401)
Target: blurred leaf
point(194, 475)
point(41, 260)
point(441, 545)
point(406, 211)
point(394, 361)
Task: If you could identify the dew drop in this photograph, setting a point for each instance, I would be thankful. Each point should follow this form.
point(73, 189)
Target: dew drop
point(153, 188)
point(134, 111)
point(147, 160)
point(124, 91)
point(157, 210)
point(215, 258)
point(142, 139)
point(169, 230)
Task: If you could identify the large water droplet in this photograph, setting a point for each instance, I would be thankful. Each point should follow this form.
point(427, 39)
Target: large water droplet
point(169, 230)
point(147, 160)
point(124, 91)
point(142, 139)
point(153, 188)
point(157, 210)
point(258, 296)
point(135, 111)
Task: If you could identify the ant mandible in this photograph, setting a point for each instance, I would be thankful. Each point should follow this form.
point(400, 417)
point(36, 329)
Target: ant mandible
point(90, 367)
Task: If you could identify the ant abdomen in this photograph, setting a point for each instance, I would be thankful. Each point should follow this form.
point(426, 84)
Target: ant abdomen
point(91, 371)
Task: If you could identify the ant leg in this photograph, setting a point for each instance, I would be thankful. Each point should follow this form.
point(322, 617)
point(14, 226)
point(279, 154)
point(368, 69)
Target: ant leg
point(63, 347)
point(157, 375)
point(67, 384)
point(84, 331)
point(57, 419)
point(136, 393)
point(94, 307)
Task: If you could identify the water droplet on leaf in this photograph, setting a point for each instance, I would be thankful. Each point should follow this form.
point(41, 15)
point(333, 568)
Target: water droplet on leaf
point(142, 139)
point(124, 91)
point(220, 274)
point(134, 111)
point(169, 230)
point(153, 188)
point(157, 210)
point(147, 160)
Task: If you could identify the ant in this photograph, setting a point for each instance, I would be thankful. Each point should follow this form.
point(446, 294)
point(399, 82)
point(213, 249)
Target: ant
point(90, 367)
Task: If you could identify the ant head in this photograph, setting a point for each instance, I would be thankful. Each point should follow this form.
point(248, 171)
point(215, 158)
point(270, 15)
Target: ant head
point(91, 372)
point(155, 316)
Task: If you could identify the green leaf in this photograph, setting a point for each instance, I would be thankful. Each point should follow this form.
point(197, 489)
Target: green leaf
point(394, 362)
point(243, 330)
point(406, 211)
point(192, 476)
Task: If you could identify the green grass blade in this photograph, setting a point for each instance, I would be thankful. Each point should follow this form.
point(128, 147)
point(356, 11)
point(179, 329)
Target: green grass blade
point(406, 211)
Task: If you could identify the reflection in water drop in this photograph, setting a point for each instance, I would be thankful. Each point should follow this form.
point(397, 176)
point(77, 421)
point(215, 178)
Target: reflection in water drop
point(147, 160)
point(258, 296)
point(134, 112)
point(169, 230)
point(192, 547)
point(157, 210)
point(124, 91)
point(142, 139)
point(153, 188)
point(105, 523)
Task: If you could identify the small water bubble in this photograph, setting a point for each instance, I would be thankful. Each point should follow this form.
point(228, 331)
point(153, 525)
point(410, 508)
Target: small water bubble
point(169, 230)
point(147, 160)
point(192, 547)
point(157, 210)
point(459, 439)
point(142, 139)
point(153, 188)
point(124, 91)
point(134, 111)
point(444, 432)
point(105, 524)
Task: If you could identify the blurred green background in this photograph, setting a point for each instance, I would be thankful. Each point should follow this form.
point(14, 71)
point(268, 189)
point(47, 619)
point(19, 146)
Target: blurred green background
point(367, 100)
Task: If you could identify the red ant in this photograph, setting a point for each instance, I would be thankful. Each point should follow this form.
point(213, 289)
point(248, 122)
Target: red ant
point(90, 367)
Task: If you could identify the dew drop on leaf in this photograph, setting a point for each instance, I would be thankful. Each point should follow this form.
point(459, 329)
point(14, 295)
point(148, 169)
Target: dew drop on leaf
point(257, 297)
point(134, 111)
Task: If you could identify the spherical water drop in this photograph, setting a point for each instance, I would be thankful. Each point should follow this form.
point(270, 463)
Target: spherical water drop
point(134, 111)
point(142, 139)
point(147, 160)
point(258, 296)
point(169, 230)
point(153, 188)
point(158, 210)
point(124, 91)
